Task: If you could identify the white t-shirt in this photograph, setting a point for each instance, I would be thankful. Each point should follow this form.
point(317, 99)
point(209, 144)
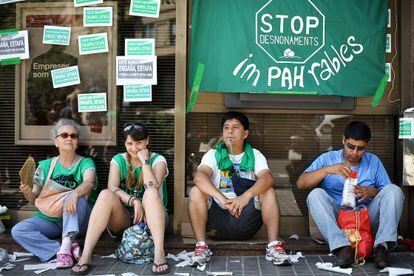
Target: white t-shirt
point(221, 179)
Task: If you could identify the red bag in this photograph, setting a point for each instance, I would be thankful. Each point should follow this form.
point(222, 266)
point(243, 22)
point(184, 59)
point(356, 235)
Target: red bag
point(357, 228)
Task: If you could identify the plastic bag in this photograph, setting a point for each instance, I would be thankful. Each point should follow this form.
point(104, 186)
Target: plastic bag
point(348, 193)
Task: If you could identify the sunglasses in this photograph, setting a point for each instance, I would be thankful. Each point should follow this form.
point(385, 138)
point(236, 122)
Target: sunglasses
point(137, 127)
point(353, 147)
point(65, 135)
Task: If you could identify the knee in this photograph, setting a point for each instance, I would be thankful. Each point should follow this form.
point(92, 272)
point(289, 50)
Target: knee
point(196, 194)
point(106, 196)
point(151, 194)
point(315, 195)
point(19, 230)
point(268, 196)
point(393, 191)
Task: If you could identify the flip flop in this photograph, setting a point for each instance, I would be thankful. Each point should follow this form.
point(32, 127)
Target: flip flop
point(88, 269)
point(166, 271)
point(76, 252)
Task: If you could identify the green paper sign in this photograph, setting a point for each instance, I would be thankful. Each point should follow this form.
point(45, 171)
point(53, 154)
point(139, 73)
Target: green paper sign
point(92, 102)
point(406, 130)
point(294, 46)
point(93, 44)
point(56, 35)
point(97, 17)
point(137, 93)
point(81, 3)
point(139, 47)
point(65, 77)
point(147, 8)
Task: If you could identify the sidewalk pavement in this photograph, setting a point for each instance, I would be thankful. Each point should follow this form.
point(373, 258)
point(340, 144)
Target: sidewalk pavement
point(239, 265)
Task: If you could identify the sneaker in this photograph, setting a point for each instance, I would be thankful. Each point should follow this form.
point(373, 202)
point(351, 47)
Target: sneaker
point(202, 254)
point(275, 251)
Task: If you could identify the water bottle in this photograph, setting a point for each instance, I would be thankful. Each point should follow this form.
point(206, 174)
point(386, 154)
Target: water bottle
point(348, 193)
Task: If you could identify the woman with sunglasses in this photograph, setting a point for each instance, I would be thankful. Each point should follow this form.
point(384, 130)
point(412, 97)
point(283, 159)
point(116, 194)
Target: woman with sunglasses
point(136, 192)
point(77, 175)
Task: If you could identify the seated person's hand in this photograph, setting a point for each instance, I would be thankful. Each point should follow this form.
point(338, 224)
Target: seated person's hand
point(71, 203)
point(138, 211)
point(236, 205)
point(25, 188)
point(143, 155)
point(363, 193)
point(340, 169)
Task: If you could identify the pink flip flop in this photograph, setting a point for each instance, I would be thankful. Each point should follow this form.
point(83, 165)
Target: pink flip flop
point(76, 252)
point(64, 260)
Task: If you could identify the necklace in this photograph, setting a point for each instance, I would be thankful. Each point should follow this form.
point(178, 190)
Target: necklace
point(71, 163)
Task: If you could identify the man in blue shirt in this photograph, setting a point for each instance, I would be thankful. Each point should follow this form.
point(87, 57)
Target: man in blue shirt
point(326, 176)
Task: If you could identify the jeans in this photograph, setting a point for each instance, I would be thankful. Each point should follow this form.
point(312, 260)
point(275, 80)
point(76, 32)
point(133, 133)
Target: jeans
point(384, 212)
point(37, 235)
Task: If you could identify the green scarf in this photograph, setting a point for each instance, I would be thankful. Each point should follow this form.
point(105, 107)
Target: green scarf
point(223, 160)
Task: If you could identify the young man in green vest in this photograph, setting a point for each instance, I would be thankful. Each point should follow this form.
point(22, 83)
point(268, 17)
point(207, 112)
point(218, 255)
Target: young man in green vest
point(233, 194)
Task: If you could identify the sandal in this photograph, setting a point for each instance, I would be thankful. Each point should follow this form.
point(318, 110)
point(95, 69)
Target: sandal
point(76, 252)
point(88, 269)
point(64, 260)
point(166, 271)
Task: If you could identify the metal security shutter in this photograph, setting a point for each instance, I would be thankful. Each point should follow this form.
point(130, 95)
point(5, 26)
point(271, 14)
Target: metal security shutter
point(158, 115)
point(276, 134)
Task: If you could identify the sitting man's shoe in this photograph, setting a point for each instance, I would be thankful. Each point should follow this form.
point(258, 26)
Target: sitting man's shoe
point(381, 257)
point(202, 254)
point(275, 252)
point(344, 256)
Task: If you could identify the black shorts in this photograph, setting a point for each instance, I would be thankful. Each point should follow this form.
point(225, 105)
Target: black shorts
point(221, 225)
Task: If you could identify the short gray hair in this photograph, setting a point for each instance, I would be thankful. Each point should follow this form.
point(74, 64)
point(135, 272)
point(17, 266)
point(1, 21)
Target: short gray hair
point(63, 122)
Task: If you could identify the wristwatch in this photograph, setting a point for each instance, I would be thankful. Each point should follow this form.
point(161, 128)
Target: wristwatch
point(146, 162)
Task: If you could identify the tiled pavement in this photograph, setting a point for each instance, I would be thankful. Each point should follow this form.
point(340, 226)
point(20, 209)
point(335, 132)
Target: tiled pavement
point(239, 265)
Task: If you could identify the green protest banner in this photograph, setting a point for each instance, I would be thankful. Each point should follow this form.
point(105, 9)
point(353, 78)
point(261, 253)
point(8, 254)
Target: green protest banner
point(97, 17)
point(325, 47)
point(56, 35)
point(137, 93)
point(14, 45)
point(147, 8)
point(65, 77)
point(93, 44)
point(92, 102)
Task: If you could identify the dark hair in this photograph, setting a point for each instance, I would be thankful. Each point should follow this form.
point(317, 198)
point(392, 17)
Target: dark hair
point(238, 116)
point(136, 130)
point(358, 131)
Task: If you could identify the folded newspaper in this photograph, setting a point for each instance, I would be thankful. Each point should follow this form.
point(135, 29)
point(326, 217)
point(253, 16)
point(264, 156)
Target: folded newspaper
point(27, 171)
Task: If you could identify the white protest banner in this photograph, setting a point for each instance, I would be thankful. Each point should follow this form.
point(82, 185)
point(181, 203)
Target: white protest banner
point(92, 102)
point(146, 8)
point(93, 44)
point(97, 16)
point(81, 3)
point(65, 77)
point(56, 35)
point(14, 45)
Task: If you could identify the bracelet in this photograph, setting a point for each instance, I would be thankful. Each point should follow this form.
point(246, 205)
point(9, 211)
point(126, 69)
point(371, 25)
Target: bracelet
point(132, 201)
point(129, 200)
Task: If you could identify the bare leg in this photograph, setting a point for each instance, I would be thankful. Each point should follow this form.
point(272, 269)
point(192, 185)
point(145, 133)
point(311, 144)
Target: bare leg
point(108, 211)
point(155, 216)
point(198, 212)
point(270, 214)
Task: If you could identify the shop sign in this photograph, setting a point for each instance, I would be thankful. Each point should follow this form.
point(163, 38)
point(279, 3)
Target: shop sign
point(93, 44)
point(92, 102)
point(296, 46)
point(56, 35)
point(147, 8)
point(2, 2)
point(139, 47)
point(97, 17)
point(137, 93)
point(136, 70)
point(65, 77)
point(406, 128)
point(14, 45)
point(81, 3)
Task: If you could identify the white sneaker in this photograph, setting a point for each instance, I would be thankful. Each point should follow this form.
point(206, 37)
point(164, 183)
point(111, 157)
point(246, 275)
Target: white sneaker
point(202, 254)
point(275, 251)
